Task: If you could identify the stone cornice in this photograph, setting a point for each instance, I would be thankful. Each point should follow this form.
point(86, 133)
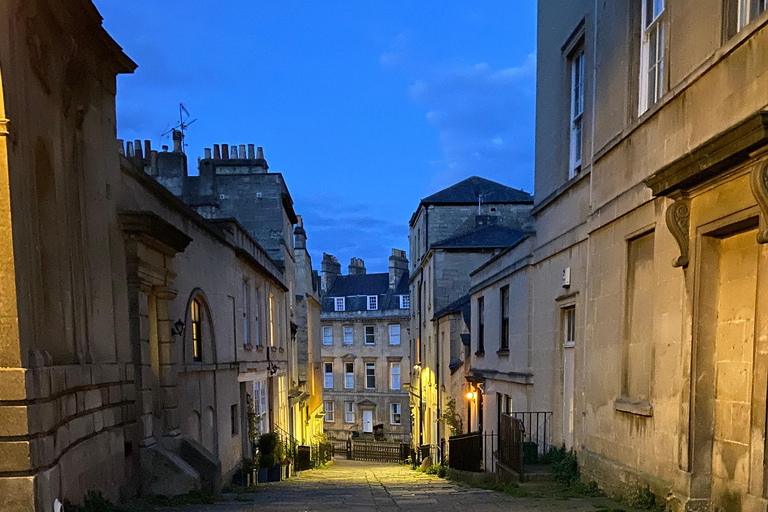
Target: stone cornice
point(151, 226)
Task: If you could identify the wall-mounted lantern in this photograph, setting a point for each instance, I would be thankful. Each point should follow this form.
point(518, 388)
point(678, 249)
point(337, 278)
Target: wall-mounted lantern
point(178, 328)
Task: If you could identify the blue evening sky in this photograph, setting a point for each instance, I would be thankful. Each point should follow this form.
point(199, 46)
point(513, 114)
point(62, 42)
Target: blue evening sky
point(365, 106)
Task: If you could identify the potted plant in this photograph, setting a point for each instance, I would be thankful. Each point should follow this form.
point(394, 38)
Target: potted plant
point(270, 456)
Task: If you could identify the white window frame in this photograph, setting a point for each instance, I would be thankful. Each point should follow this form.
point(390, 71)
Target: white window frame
point(395, 409)
point(327, 384)
point(327, 335)
point(260, 405)
point(395, 382)
point(349, 377)
point(653, 30)
point(394, 334)
point(372, 302)
point(372, 367)
point(373, 334)
point(328, 408)
point(577, 61)
point(339, 304)
point(569, 327)
point(750, 10)
point(255, 315)
point(405, 302)
point(349, 334)
point(349, 412)
point(246, 313)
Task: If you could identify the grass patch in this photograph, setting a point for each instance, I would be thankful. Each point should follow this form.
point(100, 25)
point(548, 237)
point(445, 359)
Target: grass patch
point(510, 489)
point(196, 497)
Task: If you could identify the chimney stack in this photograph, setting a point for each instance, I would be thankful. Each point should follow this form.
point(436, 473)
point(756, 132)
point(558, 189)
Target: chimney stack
point(300, 236)
point(398, 265)
point(251, 152)
point(153, 163)
point(330, 270)
point(177, 141)
point(260, 163)
point(356, 267)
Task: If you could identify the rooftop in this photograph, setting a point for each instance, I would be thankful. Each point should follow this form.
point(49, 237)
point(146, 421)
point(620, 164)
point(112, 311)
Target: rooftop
point(474, 189)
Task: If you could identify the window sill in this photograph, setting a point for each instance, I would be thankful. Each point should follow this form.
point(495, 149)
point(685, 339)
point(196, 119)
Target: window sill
point(248, 346)
point(281, 350)
point(260, 348)
point(503, 352)
point(480, 353)
point(636, 407)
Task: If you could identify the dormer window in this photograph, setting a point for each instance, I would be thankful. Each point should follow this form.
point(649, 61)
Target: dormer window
point(373, 302)
point(339, 304)
point(405, 302)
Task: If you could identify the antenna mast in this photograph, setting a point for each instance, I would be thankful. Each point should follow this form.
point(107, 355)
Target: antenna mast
point(183, 126)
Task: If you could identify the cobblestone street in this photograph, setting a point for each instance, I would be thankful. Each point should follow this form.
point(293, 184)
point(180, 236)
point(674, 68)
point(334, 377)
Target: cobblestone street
point(366, 486)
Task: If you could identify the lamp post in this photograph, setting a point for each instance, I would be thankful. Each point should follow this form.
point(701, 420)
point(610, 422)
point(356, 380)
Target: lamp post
point(417, 367)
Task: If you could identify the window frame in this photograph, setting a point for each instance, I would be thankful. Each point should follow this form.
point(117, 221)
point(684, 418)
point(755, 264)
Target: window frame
point(405, 302)
point(569, 326)
point(504, 307)
point(392, 413)
point(195, 314)
point(349, 375)
point(747, 13)
point(394, 336)
point(246, 313)
point(349, 411)
point(351, 330)
point(339, 303)
point(372, 335)
point(370, 375)
point(329, 412)
point(658, 26)
point(480, 326)
point(326, 329)
point(392, 374)
point(234, 418)
point(372, 302)
point(327, 374)
point(577, 65)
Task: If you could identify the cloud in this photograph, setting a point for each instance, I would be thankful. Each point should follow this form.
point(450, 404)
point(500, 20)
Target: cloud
point(485, 118)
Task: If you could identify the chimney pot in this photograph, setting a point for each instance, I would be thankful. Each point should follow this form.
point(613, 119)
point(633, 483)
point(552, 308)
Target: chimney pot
point(260, 152)
point(153, 162)
point(177, 141)
point(147, 148)
point(129, 149)
point(121, 147)
point(225, 151)
point(233, 156)
point(242, 151)
point(207, 153)
point(251, 152)
point(216, 152)
point(137, 152)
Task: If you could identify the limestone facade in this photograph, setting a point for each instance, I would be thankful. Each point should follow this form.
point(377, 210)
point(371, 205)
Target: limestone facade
point(365, 354)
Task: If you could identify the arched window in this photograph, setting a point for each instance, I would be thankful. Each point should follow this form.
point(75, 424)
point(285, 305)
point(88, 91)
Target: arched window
point(197, 331)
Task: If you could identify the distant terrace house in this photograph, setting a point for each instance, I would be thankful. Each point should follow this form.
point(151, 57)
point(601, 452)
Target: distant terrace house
point(365, 351)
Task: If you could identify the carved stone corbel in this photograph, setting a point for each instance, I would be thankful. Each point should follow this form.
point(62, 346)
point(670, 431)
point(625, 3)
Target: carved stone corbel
point(678, 222)
point(759, 182)
point(3, 127)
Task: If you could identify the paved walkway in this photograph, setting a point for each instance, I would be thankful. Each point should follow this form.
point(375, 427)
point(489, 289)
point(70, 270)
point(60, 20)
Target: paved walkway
point(366, 486)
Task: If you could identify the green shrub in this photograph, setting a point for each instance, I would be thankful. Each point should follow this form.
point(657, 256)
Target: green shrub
point(644, 499)
point(433, 469)
point(442, 472)
point(270, 450)
point(93, 501)
point(565, 469)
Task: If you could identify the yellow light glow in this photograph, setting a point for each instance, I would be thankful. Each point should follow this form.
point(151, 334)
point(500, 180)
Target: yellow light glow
point(470, 396)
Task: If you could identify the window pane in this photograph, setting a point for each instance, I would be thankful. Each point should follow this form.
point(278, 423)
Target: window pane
point(348, 335)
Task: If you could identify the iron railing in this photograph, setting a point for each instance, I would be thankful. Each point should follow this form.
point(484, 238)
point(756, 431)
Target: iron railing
point(538, 430)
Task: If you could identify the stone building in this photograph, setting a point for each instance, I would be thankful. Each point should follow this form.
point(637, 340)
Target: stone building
point(644, 304)
point(234, 182)
point(133, 328)
point(452, 232)
point(364, 351)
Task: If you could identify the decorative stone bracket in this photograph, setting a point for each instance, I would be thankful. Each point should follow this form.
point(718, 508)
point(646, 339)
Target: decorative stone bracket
point(759, 182)
point(3, 127)
point(678, 222)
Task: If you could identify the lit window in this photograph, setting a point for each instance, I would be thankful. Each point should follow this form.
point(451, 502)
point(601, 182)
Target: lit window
point(339, 304)
point(349, 412)
point(328, 375)
point(327, 335)
point(370, 376)
point(349, 375)
point(394, 414)
point(197, 334)
point(405, 301)
point(652, 57)
point(373, 302)
point(328, 407)
point(394, 376)
point(577, 110)
point(370, 335)
point(349, 334)
point(394, 334)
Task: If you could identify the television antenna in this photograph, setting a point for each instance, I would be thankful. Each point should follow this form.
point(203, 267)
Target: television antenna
point(183, 126)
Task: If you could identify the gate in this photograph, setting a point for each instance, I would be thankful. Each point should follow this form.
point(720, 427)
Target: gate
point(466, 452)
point(511, 438)
point(371, 451)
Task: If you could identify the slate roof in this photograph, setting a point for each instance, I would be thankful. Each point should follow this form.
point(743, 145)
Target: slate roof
point(467, 192)
point(487, 237)
point(357, 288)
